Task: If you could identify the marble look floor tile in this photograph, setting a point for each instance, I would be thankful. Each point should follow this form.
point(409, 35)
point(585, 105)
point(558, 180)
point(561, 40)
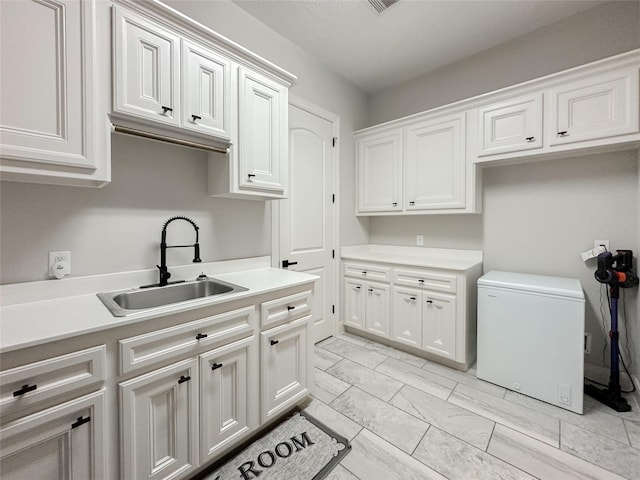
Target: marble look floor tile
point(350, 337)
point(457, 421)
point(633, 432)
point(424, 380)
point(542, 460)
point(458, 460)
point(593, 419)
point(392, 424)
point(364, 378)
point(634, 414)
point(517, 417)
point(323, 359)
point(397, 354)
point(333, 419)
point(602, 451)
point(341, 473)
point(328, 387)
point(372, 458)
point(466, 378)
point(354, 352)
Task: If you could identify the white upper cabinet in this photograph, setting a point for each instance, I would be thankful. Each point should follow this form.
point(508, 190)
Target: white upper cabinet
point(53, 93)
point(596, 107)
point(146, 68)
point(511, 125)
point(262, 139)
point(434, 164)
point(178, 81)
point(592, 106)
point(206, 80)
point(379, 176)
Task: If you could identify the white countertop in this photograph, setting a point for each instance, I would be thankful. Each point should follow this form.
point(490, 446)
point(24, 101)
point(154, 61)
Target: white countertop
point(441, 258)
point(26, 321)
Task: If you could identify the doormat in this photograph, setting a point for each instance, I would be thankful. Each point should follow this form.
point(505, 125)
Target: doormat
point(299, 448)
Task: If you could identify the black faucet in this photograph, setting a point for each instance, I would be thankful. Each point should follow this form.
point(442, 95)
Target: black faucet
point(164, 271)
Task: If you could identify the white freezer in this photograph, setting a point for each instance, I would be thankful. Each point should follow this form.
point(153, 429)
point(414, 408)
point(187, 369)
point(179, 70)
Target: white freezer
point(531, 336)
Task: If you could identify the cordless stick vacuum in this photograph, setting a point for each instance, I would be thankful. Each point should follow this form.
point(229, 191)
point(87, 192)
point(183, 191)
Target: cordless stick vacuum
point(615, 271)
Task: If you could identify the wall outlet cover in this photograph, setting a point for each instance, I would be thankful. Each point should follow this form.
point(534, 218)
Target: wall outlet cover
point(59, 263)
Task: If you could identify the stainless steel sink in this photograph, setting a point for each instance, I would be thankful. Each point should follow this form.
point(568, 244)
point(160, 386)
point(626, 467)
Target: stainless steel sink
point(126, 302)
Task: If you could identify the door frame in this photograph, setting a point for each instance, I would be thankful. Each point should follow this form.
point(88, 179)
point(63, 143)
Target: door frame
point(314, 109)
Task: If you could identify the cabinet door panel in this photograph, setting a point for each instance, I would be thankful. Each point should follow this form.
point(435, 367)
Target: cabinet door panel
point(354, 297)
point(379, 172)
point(284, 366)
point(159, 422)
point(439, 324)
point(435, 165)
point(228, 384)
point(377, 309)
point(53, 444)
point(46, 81)
point(511, 126)
point(262, 124)
point(594, 108)
point(406, 322)
point(205, 88)
point(146, 69)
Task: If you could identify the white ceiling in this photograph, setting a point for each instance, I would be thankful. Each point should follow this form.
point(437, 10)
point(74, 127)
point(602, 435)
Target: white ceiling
point(412, 37)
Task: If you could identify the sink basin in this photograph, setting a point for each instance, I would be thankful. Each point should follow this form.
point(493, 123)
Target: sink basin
point(126, 302)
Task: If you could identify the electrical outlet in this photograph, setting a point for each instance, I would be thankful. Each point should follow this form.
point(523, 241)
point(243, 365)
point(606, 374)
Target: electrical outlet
point(420, 240)
point(604, 243)
point(59, 264)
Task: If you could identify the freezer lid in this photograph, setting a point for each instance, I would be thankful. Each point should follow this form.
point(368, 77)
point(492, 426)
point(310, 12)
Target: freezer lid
point(559, 286)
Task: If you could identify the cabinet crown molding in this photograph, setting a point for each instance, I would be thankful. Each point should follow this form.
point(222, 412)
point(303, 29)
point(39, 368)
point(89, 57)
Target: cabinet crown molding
point(162, 13)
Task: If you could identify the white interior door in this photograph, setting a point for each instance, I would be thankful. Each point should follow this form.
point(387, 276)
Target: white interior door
point(307, 219)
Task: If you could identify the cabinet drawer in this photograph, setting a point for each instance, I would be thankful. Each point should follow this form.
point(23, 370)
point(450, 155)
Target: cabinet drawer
point(37, 382)
point(285, 309)
point(149, 348)
point(367, 271)
point(427, 279)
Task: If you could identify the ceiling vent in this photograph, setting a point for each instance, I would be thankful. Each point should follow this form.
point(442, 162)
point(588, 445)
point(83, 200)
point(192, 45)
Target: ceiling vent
point(381, 5)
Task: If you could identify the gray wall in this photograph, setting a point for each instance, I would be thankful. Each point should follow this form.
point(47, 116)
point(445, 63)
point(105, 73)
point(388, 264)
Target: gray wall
point(118, 227)
point(539, 216)
point(600, 32)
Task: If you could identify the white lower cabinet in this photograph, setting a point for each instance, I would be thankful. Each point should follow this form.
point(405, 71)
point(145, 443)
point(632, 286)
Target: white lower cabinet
point(425, 320)
point(52, 427)
point(427, 310)
point(159, 398)
point(354, 298)
point(159, 422)
point(178, 417)
point(439, 324)
point(228, 381)
point(62, 442)
point(377, 309)
point(407, 317)
point(286, 366)
point(367, 306)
